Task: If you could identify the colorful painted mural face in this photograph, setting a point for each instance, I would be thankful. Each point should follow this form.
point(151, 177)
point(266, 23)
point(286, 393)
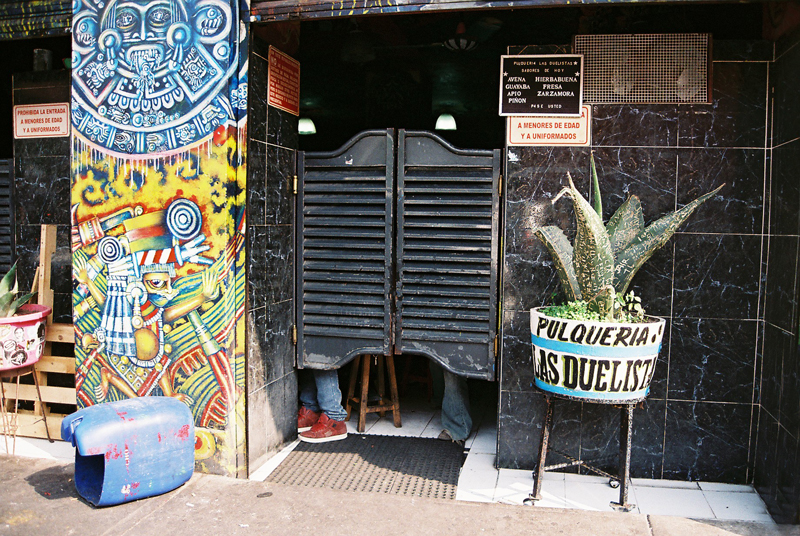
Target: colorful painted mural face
point(158, 182)
point(151, 75)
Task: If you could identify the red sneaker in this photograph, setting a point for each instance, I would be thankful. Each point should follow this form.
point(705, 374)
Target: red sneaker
point(325, 430)
point(306, 419)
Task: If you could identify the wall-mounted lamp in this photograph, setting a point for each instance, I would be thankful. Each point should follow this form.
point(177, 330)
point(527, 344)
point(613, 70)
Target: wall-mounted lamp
point(306, 126)
point(446, 122)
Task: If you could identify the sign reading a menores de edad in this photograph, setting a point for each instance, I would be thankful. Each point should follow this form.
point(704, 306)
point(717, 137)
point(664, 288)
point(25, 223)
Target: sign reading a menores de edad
point(549, 131)
point(541, 85)
point(41, 120)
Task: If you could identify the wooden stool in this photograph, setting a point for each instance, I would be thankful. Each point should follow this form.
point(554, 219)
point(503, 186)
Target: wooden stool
point(361, 401)
point(9, 422)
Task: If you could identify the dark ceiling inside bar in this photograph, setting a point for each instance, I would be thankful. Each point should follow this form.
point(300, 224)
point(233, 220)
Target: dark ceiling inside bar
point(395, 71)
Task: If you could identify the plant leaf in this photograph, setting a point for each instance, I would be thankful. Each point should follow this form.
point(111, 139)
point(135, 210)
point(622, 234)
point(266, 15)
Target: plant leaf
point(625, 224)
point(603, 303)
point(5, 304)
point(19, 302)
point(592, 257)
point(649, 240)
point(9, 280)
point(597, 201)
point(561, 251)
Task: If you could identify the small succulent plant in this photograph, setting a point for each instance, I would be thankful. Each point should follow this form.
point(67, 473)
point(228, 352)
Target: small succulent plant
point(9, 302)
point(605, 257)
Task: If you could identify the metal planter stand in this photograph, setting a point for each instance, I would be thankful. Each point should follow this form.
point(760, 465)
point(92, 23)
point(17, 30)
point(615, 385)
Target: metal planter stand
point(623, 477)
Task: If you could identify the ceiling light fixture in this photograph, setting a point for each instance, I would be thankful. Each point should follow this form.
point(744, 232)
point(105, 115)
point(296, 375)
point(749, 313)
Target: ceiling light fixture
point(446, 122)
point(460, 42)
point(306, 126)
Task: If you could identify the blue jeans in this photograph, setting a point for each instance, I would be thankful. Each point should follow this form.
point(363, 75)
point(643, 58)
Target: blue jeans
point(323, 393)
point(455, 406)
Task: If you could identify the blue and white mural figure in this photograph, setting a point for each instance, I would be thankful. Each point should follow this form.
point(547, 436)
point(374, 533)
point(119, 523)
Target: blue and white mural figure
point(159, 103)
point(150, 76)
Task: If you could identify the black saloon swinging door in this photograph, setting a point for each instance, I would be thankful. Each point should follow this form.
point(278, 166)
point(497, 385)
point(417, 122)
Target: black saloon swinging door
point(397, 249)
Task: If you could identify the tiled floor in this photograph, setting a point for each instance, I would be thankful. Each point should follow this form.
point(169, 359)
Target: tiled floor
point(480, 481)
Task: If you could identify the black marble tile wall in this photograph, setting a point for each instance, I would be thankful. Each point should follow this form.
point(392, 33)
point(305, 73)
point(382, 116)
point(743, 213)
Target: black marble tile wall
point(776, 463)
point(41, 191)
point(700, 420)
point(271, 379)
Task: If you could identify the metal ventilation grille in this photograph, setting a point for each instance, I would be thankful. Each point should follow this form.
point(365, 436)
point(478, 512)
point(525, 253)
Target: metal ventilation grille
point(645, 68)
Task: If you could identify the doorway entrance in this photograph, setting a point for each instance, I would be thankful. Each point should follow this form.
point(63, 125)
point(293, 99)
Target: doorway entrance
point(397, 252)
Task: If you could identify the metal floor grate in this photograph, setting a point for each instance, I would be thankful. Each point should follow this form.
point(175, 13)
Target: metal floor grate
point(414, 466)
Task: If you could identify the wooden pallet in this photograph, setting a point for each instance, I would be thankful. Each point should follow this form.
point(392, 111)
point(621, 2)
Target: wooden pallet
point(50, 366)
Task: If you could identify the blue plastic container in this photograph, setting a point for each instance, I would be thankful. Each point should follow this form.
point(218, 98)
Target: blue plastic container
point(131, 449)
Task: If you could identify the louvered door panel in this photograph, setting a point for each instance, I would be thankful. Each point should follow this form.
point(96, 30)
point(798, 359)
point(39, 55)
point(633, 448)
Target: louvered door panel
point(6, 225)
point(345, 249)
point(447, 218)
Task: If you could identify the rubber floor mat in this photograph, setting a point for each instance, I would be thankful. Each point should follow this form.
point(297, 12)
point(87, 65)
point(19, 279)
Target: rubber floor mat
point(415, 466)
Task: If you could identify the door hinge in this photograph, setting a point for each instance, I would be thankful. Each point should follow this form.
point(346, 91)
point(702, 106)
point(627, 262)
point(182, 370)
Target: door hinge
point(294, 335)
point(500, 184)
point(495, 345)
point(294, 185)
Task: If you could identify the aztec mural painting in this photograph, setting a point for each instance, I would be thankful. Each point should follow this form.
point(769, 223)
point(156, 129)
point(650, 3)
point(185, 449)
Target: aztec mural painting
point(159, 90)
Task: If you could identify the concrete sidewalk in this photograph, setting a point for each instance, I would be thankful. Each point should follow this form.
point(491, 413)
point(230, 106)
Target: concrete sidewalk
point(38, 497)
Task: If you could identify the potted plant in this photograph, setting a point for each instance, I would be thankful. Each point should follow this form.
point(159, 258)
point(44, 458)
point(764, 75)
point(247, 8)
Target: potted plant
point(600, 346)
point(22, 325)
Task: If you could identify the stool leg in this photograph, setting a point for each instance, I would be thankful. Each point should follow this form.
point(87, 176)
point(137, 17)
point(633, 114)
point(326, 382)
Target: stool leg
point(44, 413)
point(381, 381)
point(546, 427)
point(351, 389)
point(393, 390)
point(362, 406)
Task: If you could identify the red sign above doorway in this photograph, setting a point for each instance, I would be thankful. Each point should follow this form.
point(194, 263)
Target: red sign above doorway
point(283, 82)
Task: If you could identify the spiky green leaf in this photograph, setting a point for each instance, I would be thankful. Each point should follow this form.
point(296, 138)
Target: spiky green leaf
point(603, 303)
point(592, 257)
point(19, 302)
point(5, 304)
point(560, 250)
point(649, 240)
point(625, 224)
point(9, 281)
point(597, 200)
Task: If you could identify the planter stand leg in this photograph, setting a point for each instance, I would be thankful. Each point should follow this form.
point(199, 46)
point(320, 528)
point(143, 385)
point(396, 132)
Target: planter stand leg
point(41, 405)
point(625, 429)
point(539, 475)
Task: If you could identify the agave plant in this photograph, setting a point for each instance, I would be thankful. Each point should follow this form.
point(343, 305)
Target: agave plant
point(605, 258)
point(9, 302)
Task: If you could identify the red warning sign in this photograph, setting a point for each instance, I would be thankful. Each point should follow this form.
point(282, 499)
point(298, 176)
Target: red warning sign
point(283, 82)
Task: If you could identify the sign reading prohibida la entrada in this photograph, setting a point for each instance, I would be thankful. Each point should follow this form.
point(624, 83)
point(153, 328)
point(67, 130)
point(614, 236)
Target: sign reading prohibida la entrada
point(41, 120)
point(283, 82)
point(541, 85)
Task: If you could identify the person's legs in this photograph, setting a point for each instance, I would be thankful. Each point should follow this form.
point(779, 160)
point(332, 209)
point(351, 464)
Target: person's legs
point(329, 395)
point(456, 419)
point(308, 390)
point(308, 414)
point(331, 425)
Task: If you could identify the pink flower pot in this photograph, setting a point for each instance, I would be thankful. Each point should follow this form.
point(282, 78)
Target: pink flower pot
point(22, 336)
